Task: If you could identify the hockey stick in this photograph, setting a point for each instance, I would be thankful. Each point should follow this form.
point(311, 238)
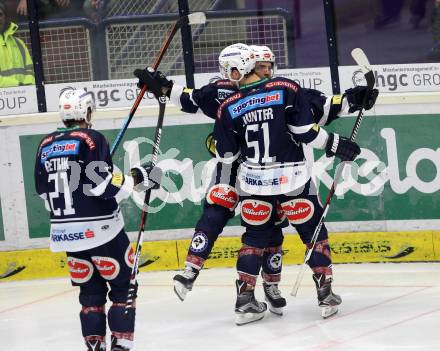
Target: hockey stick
point(11, 271)
point(132, 290)
point(193, 18)
point(362, 61)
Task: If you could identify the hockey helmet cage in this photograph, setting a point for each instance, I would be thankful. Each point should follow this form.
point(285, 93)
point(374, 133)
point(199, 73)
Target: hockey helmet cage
point(237, 56)
point(74, 104)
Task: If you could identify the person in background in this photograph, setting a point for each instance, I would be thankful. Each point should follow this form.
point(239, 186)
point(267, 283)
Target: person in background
point(16, 66)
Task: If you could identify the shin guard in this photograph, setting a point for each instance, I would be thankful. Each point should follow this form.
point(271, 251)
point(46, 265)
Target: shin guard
point(320, 261)
point(272, 264)
point(93, 325)
point(121, 326)
point(249, 264)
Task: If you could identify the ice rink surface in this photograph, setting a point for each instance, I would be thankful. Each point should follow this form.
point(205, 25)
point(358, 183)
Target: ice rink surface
point(385, 307)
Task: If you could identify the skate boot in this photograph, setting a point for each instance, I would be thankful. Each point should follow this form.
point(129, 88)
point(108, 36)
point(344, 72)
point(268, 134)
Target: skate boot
point(327, 299)
point(247, 308)
point(184, 282)
point(115, 346)
point(274, 299)
point(95, 344)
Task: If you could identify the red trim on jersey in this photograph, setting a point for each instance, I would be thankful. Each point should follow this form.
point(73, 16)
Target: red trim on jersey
point(87, 139)
point(234, 97)
point(225, 83)
point(281, 83)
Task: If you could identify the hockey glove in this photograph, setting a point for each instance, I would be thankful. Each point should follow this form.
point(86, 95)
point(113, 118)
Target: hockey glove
point(156, 82)
point(355, 98)
point(145, 177)
point(341, 147)
point(210, 144)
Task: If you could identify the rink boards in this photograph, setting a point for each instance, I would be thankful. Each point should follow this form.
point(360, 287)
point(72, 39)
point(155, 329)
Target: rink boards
point(387, 210)
point(357, 247)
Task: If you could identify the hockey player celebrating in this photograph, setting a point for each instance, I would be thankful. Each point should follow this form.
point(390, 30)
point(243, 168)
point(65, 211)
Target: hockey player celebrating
point(222, 198)
point(265, 124)
point(218, 211)
point(75, 177)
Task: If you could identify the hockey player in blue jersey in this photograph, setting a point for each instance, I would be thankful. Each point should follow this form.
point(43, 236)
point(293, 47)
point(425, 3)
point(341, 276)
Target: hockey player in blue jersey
point(265, 124)
point(75, 177)
point(218, 209)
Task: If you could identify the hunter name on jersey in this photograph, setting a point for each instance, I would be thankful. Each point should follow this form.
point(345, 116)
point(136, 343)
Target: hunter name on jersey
point(258, 115)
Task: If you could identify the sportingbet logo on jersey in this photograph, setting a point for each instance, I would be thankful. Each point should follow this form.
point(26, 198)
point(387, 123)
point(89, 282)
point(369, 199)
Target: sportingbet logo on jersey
point(60, 148)
point(256, 101)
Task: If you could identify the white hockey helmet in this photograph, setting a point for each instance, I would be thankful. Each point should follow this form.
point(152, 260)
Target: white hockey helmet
point(75, 104)
point(236, 56)
point(263, 53)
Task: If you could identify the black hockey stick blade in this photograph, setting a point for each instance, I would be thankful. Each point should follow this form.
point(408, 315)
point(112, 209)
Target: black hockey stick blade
point(12, 272)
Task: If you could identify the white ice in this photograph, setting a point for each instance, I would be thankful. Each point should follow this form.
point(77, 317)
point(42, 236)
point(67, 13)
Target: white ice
point(385, 307)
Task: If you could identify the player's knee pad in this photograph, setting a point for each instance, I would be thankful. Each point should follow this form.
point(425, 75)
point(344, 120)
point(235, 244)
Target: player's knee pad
point(249, 264)
point(121, 325)
point(320, 260)
point(272, 264)
point(200, 248)
point(89, 299)
point(276, 237)
point(223, 195)
point(93, 321)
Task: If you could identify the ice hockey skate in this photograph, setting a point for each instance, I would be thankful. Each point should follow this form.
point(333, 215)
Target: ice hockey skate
point(184, 282)
point(116, 345)
point(327, 299)
point(247, 308)
point(95, 345)
point(274, 299)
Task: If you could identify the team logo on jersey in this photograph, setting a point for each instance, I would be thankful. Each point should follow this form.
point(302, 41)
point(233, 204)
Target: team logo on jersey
point(129, 256)
point(199, 242)
point(80, 270)
point(60, 148)
point(223, 195)
point(274, 261)
point(224, 93)
point(255, 212)
point(252, 102)
point(107, 267)
point(298, 211)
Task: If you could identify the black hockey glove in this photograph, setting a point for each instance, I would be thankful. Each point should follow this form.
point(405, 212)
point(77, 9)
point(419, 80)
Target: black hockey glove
point(146, 177)
point(156, 82)
point(341, 147)
point(355, 97)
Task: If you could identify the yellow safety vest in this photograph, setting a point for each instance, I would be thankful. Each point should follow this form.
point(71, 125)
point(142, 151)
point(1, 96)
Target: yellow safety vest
point(15, 62)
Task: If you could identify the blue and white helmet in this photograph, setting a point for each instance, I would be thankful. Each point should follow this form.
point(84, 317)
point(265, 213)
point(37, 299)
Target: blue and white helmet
point(236, 56)
point(75, 104)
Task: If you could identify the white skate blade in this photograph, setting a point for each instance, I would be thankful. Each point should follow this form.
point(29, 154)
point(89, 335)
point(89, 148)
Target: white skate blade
point(180, 290)
point(246, 318)
point(328, 311)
